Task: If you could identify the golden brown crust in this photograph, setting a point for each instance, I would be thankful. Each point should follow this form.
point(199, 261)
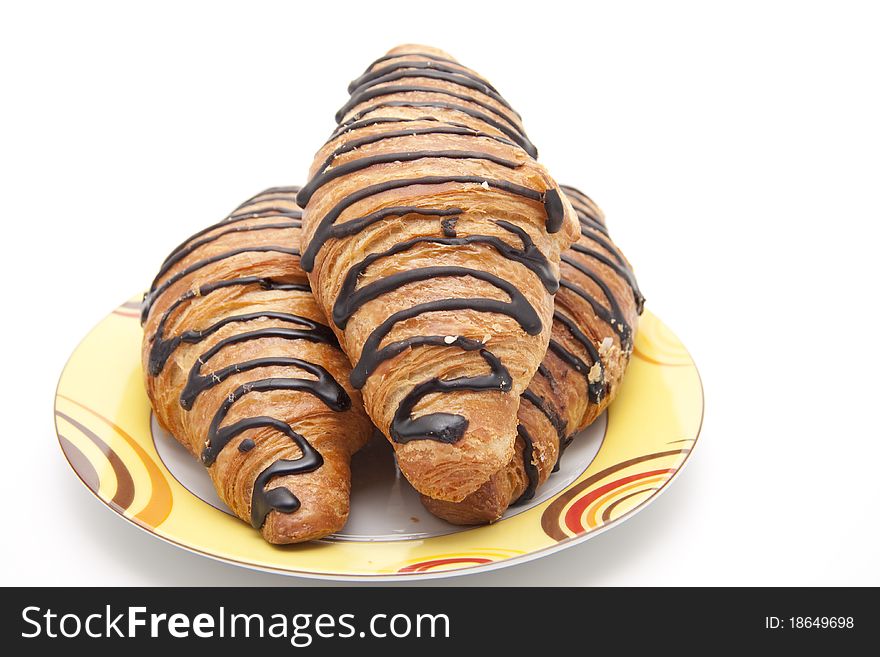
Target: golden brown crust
point(247, 267)
point(560, 400)
point(473, 200)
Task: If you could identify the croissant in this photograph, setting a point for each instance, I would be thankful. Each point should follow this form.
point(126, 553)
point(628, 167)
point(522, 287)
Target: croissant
point(594, 324)
point(241, 369)
point(432, 241)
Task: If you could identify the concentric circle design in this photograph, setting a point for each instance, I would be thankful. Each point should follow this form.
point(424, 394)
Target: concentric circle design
point(607, 495)
point(103, 424)
point(115, 467)
point(446, 562)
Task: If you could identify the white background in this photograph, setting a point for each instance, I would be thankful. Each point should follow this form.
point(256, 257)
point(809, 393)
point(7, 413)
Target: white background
point(735, 150)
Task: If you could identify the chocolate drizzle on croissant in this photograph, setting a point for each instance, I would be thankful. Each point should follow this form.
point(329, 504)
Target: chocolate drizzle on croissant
point(323, 232)
point(350, 299)
point(412, 117)
point(241, 329)
point(593, 330)
point(514, 134)
point(607, 310)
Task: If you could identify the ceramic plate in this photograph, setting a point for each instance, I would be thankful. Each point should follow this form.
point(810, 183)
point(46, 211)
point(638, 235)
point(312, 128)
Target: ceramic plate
point(613, 469)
